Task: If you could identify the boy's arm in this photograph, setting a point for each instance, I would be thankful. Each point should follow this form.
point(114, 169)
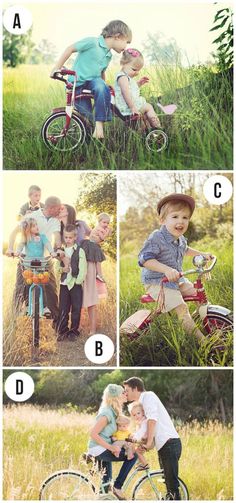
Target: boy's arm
point(192, 253)
point(64, 57)
point(103, 75)
point(12, 239)
point(123, 82)
point(155, 265)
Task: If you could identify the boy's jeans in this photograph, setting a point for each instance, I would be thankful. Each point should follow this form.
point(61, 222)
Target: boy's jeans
point(102, 100)
point(169, 456)
point(105, 463)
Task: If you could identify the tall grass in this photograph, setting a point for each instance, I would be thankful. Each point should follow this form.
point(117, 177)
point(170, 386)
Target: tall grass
point(38, 441)
point(200, 132)
point(164, 343)
point(17, 330)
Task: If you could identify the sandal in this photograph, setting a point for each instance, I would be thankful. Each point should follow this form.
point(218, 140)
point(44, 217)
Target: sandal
point(141, 467)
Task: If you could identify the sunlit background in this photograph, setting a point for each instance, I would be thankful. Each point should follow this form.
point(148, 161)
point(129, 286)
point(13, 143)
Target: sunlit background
point(188, 23)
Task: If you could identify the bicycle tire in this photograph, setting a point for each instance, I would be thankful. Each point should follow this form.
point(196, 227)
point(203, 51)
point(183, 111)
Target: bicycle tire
point(52, 128)
point(67, 485)
point(215, 322)
point(35, 316)
point(144, 490)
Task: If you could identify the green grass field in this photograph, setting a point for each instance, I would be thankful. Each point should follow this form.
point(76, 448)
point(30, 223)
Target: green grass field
point(38, 441)
point(165, 343)
point(200, 132)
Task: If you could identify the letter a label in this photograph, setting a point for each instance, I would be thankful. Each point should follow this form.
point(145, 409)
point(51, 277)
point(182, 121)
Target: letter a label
point(17, 20)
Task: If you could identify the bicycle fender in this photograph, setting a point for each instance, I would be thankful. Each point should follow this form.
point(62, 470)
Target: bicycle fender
point(211, 308)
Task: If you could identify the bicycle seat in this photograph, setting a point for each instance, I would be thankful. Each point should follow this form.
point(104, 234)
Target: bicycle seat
point(88, 458)
point(146, 298)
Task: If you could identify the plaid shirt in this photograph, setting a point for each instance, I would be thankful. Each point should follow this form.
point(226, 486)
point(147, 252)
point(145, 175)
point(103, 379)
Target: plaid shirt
point(162, 246)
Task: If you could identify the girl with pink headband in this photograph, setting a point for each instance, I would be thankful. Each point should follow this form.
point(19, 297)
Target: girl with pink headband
point(127, 89)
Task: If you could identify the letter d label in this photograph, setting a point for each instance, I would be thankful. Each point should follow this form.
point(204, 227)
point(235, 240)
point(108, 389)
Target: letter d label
point(19, 386)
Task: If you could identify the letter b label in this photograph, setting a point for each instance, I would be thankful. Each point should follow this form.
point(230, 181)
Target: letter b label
point(99, 348)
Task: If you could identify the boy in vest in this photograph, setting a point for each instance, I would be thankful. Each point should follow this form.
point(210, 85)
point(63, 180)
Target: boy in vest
point(73, 271)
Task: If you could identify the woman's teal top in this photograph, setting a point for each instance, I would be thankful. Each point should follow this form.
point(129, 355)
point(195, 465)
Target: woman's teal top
point(109, 429)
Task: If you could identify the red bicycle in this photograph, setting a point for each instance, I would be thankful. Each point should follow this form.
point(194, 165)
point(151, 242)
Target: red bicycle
point(66, 129)
point(213, 317)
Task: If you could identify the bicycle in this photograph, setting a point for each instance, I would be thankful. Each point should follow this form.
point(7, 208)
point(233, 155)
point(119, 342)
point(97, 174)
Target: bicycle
point(213, 317)
point(66, 129)
point(35, 274)
point(72, 485)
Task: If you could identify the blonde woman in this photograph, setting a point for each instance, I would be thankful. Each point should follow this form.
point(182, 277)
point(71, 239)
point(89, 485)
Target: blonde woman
point(100, 444)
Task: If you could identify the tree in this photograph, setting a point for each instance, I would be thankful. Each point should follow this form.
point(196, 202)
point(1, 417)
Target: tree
point(44, 53)
point(160, 50)
point(225, 51)
point(16, 48)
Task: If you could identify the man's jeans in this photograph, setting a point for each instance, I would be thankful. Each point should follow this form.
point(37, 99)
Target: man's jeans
point(102, 100)
point(105, 461)
point(169, 456)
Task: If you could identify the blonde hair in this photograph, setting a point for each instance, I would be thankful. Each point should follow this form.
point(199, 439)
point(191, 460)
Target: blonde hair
point(135, 405)
point(122, 420)
point(131, 54)
point(173, 205)
point(26, 228)
point(117, 27)
point(104, 216)
point(111, 401)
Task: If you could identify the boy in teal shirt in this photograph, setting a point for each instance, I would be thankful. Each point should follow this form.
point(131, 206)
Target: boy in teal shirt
point(93, 58)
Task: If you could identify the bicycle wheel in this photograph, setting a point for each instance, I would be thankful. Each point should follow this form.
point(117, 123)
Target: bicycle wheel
point(55, 139)
point(67, 485)
point(35, 316)
point(219, 323)
point(152, 487)
point(156, 140)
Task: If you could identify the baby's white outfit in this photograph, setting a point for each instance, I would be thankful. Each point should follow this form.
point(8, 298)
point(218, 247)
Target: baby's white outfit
point(138, 100)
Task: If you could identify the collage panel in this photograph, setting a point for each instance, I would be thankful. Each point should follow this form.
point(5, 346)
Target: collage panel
point(60, 113)
point(176, 269)
point(59, 269)
point(52, 431)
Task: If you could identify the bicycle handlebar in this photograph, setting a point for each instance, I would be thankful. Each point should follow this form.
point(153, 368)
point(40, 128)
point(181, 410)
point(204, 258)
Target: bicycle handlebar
point(60, 73)
point(198, 270)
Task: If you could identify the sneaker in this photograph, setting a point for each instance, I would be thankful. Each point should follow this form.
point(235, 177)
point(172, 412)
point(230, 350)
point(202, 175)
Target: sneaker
point(100, 278)
point(47, 312)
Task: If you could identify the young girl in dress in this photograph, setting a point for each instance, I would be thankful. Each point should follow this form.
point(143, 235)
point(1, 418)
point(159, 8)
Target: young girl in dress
point(140, 435)
point(127, 90)
point(32, 241)
point(98, 234)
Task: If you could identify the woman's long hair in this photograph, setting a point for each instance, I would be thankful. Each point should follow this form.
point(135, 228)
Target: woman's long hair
point(111, 401)
point(71, 217)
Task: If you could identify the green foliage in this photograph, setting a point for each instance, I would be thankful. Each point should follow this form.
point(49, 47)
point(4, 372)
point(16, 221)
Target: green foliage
point(223, 21)
point(16, 48)
point(160, 50)
point(97, 193)
point(44, 53)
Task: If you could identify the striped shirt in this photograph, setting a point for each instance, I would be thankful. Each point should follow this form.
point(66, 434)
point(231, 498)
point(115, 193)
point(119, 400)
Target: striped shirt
point(165, 248)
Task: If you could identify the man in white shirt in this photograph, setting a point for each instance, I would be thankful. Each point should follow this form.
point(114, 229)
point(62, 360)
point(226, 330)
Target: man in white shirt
point(48, 224)
point(160, 429)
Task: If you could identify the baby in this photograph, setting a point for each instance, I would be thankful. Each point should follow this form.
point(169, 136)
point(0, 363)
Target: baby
point(122, 433)
point(140, 435)
point(98, 234)
point(127, 90)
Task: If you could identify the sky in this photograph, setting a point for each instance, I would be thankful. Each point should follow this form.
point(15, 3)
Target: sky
point(62, 184)
point(63, 23)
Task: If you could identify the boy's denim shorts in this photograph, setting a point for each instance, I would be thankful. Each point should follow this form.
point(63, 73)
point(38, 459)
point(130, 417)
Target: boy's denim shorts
point(173, 298)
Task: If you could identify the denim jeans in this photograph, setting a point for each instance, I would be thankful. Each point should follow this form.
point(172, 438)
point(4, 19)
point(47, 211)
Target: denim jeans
point(169, 456)
point(105, 461)
point(102, 100)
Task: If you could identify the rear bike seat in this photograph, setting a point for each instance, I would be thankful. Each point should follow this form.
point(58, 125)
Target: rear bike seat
point(146, 298)
point(88, 458)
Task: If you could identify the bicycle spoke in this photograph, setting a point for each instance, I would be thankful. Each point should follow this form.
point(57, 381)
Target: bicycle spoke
point(67, 487)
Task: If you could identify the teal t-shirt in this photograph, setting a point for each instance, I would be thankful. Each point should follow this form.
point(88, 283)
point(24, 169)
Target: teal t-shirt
point(109, 429)
point(93, 57)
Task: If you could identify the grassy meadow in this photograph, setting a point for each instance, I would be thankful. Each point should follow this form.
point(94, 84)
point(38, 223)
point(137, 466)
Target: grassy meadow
point(17, 331)
point(164, 343)
point(200, 132)
point(38, 441)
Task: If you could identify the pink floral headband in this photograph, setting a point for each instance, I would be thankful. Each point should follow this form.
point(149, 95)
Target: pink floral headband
point(133, 52)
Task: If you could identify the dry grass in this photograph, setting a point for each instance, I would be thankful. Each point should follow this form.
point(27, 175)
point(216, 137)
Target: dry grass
point(17, 332)
point(38, 441)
